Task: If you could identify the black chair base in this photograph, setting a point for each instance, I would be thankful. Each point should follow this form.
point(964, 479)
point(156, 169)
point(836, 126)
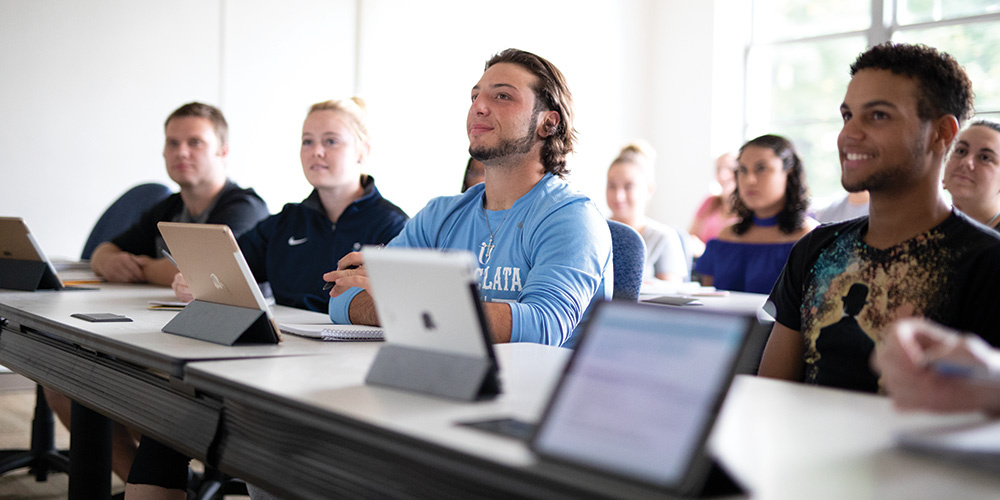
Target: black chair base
point(43, 457)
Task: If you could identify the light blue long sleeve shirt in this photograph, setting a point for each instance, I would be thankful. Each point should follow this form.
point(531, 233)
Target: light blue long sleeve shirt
point(550, 255)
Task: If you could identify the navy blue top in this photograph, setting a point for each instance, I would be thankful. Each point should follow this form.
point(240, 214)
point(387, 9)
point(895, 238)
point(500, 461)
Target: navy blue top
point(743, 267)
point(293, 249)
point(234, 206)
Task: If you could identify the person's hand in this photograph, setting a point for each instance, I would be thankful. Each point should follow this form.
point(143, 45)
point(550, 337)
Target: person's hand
point(350, 272)
point(181, 288)
point(906, 357)
point(123, 267)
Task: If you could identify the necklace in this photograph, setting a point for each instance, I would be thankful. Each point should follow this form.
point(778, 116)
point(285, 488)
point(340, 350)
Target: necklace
point(988, 224)
point(489, 246)
point(766, 221)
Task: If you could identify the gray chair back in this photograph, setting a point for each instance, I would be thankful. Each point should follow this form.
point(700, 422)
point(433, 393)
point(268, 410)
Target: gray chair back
point(629, 258)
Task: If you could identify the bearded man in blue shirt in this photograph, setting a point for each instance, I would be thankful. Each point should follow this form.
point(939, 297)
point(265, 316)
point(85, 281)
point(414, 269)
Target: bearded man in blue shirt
point(544, 250)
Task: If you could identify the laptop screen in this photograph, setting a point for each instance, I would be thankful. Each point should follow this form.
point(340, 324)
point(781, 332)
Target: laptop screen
point(641, 393)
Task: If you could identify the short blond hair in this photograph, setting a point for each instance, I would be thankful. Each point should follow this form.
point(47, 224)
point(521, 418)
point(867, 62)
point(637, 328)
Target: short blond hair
point(353, 108)
point(639, 153)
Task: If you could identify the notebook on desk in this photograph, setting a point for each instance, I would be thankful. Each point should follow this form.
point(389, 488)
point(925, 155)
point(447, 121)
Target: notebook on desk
point(639, 397)
point(331, 332)
point(23, 265)
point(217, 274)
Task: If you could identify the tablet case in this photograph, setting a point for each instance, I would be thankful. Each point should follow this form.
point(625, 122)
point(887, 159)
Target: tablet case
point(222, 324)
point(28, 275)
point(448, 375)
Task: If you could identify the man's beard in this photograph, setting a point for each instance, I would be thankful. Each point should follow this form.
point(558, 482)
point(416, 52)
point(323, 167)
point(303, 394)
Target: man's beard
point(506, 147)
point(893, 176)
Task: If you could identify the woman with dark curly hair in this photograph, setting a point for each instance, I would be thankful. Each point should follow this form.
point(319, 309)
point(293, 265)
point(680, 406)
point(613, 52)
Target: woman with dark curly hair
point(770, 203)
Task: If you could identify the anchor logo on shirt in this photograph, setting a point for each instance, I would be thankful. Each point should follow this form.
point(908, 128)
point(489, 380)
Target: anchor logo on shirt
point(485, 252)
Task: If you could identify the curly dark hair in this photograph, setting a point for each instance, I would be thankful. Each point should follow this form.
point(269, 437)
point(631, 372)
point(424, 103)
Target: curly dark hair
point(945, 88)
point(552, 94)
point(793, 214)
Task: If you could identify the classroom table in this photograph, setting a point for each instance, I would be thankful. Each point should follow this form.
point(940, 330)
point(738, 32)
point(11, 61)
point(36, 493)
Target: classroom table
point(131, 372)
point(311, 428)
point(298, 419)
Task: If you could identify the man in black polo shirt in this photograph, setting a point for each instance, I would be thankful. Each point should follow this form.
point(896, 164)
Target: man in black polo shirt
point(195, 154)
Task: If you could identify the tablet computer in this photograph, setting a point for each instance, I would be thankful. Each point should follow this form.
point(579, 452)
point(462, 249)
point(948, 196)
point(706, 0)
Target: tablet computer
point(23, 265)
point(437, 339)
point(641, 393)
point(428, 299)
point(216, 272)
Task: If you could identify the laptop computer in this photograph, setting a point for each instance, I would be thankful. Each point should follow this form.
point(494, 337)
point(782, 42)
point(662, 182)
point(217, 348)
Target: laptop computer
point(23, 265)
point(217, 274)
point(434, 325)
point(638, 399)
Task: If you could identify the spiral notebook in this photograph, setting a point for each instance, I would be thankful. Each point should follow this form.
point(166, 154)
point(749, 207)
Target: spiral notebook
point(336, 333)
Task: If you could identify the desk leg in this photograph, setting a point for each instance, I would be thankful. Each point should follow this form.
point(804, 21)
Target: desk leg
point(89, 455)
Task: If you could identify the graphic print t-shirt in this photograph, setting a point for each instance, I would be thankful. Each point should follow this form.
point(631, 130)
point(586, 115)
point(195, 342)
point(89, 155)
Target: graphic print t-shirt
point(841, 294)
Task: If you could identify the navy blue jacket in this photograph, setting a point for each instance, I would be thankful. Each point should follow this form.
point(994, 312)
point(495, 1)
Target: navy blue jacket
point(293, 249)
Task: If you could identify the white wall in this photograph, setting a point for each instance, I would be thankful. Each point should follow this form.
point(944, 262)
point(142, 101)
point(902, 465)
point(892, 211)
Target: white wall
point(86, 87)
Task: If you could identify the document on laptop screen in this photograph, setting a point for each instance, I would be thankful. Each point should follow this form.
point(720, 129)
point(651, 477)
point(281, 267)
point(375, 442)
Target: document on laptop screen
point(640, 396)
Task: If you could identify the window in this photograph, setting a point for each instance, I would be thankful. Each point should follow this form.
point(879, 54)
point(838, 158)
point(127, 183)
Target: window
point(800, 50)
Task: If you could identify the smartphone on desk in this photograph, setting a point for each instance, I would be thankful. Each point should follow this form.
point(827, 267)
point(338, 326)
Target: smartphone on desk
point(102, 317)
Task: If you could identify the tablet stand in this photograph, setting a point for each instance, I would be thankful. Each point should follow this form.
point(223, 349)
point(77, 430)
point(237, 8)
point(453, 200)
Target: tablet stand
point(223, 324)
point(29, 275)
point(448, 375)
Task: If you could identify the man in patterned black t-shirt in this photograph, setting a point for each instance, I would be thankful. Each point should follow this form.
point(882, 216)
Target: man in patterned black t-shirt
point(915, 255)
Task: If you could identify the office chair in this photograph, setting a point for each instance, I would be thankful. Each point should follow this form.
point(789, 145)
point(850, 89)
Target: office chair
point(124, 212)
point(43, 457)
point(629, 258)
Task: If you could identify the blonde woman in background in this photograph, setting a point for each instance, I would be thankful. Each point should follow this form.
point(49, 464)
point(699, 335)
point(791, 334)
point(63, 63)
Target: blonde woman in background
point(292, 249)
point(630, 186)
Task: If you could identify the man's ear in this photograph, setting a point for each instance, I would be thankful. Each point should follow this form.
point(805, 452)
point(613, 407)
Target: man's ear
point(549, 124)
point(944, 131)
point(224, 151)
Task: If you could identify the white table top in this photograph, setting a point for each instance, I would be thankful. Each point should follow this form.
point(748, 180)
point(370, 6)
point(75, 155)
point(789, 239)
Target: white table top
point(140, 341)
point(780, 439)
point(792, 441)
point(334, 383)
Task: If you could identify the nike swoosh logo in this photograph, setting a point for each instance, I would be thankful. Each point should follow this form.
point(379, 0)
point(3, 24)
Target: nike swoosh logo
point(293, 242)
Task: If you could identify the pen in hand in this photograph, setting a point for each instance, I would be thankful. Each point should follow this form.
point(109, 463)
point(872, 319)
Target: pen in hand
point(168, 256)
point(330, 284)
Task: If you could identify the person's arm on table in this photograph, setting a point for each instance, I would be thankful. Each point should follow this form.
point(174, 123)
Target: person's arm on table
point(350, 302)
point(500, 321)
point(116, 265)
point(906, 357)
point(352, 278)
point(159, 271)
point(783, 353)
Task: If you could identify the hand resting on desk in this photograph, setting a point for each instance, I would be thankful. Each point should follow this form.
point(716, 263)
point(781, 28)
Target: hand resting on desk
point(118, 266)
